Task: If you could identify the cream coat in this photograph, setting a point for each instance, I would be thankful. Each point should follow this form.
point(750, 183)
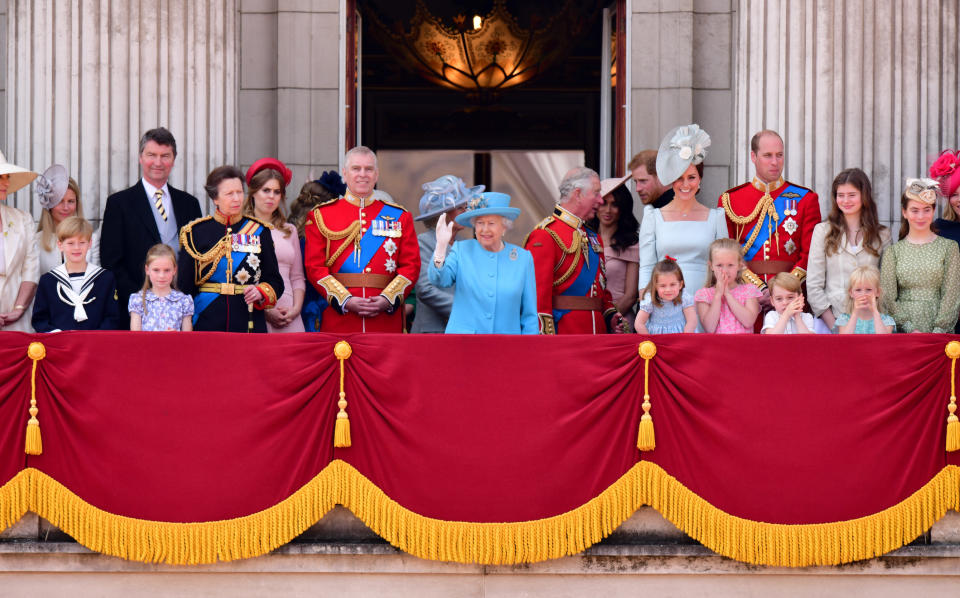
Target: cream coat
point(827, 276)
point(22, 261)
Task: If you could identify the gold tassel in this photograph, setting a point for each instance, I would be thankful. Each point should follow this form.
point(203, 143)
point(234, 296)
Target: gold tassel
point(646, 440)
point(341, 431)
point(34, 443)
point(953, 424)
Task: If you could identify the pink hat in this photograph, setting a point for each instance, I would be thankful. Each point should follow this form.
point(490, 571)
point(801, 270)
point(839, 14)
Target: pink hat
point(608, 185)
point(273, 164)
point(946, 169)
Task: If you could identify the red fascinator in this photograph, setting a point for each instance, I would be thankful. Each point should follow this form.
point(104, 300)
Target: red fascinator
point(273, 164)
point(946, 169)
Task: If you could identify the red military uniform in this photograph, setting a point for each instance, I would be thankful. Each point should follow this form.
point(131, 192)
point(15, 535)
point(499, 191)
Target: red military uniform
point(361, 248)
point(572, 295)
point(773, 224)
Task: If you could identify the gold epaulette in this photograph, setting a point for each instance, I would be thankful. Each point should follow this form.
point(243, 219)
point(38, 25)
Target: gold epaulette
point(543, 224)
point(187, 229)
point(258, 220)
point(390, 202)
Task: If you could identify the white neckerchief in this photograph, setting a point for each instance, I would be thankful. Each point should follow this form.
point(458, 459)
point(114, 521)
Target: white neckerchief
point(74, 291)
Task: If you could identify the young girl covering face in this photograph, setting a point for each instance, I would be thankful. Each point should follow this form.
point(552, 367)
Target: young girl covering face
point(863, 305)
point(727, 305)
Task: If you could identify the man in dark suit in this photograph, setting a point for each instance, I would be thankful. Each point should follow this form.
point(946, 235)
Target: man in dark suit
point(149, 212)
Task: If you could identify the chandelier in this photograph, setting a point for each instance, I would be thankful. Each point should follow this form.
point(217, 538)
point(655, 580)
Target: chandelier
point(483, 53)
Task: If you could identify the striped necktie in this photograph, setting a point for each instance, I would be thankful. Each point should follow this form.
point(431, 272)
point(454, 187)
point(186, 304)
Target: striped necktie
point(158, 194)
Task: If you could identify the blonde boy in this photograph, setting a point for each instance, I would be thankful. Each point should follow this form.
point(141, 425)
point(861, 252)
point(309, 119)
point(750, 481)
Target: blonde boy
point(75, 295)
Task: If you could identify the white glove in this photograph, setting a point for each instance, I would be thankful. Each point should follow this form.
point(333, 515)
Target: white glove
point(444, 235)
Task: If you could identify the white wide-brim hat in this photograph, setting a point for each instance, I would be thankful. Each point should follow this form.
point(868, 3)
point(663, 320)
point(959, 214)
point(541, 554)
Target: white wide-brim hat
point(19, 177)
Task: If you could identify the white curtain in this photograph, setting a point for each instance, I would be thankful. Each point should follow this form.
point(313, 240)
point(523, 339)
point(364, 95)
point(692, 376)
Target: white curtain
point(532, 180)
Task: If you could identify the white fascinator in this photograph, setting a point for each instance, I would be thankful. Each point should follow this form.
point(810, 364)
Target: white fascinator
point(683, 146)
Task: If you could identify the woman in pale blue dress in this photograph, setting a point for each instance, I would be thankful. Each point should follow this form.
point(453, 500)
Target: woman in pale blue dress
point(496, 289)
point(684, 228)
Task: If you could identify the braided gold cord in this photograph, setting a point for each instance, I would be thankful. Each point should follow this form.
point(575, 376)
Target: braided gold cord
point(574, 250)
point(350, 234)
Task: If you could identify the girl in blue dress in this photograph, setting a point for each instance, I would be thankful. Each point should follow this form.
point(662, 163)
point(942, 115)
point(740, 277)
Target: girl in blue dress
point(665, 305)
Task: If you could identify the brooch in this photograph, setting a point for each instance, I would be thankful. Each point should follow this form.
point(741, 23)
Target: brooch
point(390, 265)
point(514, 254)
point(790, 246)
point(790, 225)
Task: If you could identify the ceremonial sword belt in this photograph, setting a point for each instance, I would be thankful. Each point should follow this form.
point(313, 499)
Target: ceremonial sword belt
point(574, 303)
point(363, 280)
point(224, 288)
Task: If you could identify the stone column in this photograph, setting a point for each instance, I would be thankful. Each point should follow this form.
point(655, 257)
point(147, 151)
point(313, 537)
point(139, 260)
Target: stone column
point(289, 85)
point(872, 85)
point(88, 77)
point(682, 72)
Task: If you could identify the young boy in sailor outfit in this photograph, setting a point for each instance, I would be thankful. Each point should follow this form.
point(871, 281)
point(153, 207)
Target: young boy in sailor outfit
point(75, 295)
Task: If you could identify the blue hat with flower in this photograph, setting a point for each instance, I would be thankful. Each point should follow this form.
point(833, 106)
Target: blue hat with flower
point(331, 181)
point(490, 203)
point(681, 147)
point(446, 193)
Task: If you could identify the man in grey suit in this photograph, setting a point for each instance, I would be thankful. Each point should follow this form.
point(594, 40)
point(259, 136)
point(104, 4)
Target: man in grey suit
point(446, 195)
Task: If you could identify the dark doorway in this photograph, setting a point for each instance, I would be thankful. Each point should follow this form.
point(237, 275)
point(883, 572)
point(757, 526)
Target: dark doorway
point(557, 110)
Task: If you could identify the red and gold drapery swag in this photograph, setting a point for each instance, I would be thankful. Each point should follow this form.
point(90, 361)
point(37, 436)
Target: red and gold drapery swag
point(194, 448)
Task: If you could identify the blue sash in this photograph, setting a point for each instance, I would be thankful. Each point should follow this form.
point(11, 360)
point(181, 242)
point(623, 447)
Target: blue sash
point(370, 243)
point(779, 204)
point(203, 300)
point(584, 280)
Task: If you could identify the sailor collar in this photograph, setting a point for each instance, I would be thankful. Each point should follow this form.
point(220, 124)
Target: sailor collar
point(567, 217)
point(767, 187)
point(223, 219)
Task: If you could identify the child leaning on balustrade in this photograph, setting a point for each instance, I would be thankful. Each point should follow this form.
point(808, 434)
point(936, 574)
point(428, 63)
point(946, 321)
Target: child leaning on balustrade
point(863, 305)
point(665, 305)
point(787, 316)
point(727, 304)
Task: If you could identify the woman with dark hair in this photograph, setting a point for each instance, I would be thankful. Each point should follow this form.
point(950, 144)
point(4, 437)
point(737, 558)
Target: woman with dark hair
point(920, 273)
point(313, 193)
point(851, 236)
point(684, 228)
point(618, 229)
point(267, 181)
point(228, 262)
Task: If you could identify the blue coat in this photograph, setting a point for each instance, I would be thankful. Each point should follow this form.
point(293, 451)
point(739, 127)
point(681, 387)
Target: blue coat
point(496, 293)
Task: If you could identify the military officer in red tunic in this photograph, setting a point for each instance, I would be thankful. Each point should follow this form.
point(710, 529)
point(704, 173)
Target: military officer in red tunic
point(771, 218)
point(361, 253)
point(572, 295)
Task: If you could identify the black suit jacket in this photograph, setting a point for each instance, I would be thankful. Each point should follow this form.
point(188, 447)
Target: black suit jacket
point(128, 230)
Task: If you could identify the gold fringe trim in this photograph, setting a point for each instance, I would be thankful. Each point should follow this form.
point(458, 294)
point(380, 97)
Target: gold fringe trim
point(487, 543)
point(14, 499)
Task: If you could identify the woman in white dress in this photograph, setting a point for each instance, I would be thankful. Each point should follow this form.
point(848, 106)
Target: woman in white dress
point(19, 264)
point(684, 228)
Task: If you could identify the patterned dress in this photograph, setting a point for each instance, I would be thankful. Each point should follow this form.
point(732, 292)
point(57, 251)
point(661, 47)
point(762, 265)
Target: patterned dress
point(161, 313)
point(921, 285)
point(728, 323)
point(668, 318)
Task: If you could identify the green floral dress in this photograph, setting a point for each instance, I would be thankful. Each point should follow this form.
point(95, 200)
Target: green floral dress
point(921, 285)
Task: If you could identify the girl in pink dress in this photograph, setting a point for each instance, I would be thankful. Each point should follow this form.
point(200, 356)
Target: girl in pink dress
point(267, 181)
point(727, 304)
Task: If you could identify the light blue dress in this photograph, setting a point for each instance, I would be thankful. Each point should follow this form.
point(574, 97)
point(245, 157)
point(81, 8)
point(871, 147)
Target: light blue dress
point(686, 241)
point(866, 326)
point(496, 292)
point(668, 318)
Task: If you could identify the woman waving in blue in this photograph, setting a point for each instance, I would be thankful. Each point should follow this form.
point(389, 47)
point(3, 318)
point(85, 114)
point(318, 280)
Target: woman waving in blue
point(496, 290)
